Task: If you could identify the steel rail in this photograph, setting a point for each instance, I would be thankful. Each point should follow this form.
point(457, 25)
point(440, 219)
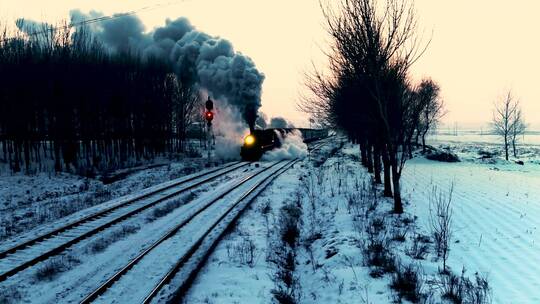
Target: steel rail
point(180, 290)
point(56, 250)
point(110, 282)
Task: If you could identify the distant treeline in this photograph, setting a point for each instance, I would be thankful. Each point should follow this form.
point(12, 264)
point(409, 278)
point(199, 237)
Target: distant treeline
point(67, 102)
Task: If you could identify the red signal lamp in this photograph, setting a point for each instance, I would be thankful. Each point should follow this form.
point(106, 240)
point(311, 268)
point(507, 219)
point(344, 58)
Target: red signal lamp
point(209, 116)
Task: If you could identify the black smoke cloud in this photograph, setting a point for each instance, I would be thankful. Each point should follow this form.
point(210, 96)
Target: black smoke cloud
point(196, 57)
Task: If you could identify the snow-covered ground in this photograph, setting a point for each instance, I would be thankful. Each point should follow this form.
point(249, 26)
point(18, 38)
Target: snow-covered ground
point(496, 215)
point(475, 137)
point(496, 212)
point(29, 201)
point(471, 145)
point(238, 270)
point(495, 205)
point(328, 261)
point(87, 264)
point(496, 220)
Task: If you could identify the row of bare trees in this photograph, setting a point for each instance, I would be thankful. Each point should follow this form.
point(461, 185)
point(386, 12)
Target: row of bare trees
point(368, 92)
point(67, 103)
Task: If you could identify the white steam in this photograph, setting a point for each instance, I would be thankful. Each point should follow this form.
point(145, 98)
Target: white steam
point(229, 132)
point(280, 122)
point(293, 146)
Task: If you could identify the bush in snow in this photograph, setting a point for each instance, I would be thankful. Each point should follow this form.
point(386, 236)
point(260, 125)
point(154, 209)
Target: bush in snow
point(419, 248)
point(10, 295)
point(376, 252)
point(289, 230)
point(460, 289)
point(440, 217)
point(407, 281)
point(102, 243)
point(163, 210)
point(443, 156)
point(400, 229)
point(243, 252)
point(50, 268)
point(282, 254)
point(376, 226)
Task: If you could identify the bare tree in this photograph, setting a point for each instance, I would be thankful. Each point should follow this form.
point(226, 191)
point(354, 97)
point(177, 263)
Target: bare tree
point(518, 127)
point(380, 45)
point(504, 117)
point(433, 108)
point(368, 92)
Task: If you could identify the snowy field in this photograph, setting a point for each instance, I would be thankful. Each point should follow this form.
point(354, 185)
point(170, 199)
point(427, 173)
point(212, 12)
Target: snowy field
point(307, 238)
point(496, 219)
point(479, 137)
point(469, 143)
point(496, 211)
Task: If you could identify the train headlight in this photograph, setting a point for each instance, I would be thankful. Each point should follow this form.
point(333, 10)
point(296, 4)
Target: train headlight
point(249, 140)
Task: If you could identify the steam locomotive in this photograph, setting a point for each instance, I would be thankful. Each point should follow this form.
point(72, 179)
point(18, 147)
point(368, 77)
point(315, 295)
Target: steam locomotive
point(260, 141)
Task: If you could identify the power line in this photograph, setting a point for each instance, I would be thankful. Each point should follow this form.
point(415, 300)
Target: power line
point(99, 19)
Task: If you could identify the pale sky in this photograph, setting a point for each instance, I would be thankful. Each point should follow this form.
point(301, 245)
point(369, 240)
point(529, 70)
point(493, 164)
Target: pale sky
point(479, 48)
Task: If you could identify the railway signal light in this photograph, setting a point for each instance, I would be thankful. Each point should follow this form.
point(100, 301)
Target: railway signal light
point(209, 104)
point(209, 116)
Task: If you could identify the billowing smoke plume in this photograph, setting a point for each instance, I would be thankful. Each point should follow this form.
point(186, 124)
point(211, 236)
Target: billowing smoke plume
point(280, 122)
point(196, 57)
point(261, 123)
point(293, 146)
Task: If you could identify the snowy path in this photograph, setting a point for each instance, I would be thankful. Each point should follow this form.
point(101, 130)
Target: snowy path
point(496, 220)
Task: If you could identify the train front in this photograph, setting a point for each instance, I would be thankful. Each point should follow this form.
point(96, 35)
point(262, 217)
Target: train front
point(256, 143)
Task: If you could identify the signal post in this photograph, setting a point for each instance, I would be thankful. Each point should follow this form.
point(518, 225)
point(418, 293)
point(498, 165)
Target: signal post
point(209, 116)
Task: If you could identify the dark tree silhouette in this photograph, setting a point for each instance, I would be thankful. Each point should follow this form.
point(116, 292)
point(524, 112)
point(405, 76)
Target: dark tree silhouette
point(66, 102)
point(432, 110)
point(367, 92)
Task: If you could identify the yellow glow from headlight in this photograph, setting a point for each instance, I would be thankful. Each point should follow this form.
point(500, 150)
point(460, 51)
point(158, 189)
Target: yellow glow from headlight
point(249, 140)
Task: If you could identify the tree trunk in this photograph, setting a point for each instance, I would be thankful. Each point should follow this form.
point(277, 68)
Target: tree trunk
point(57, 163)
point(369, 153)
point(514, 147)
point(377, 164)
point(363, 153)
point(26, 157)
point(4, 149)
point(424, 142)
point(16, 160)
point(386, 167)
point(398, 204)
point(506, 147)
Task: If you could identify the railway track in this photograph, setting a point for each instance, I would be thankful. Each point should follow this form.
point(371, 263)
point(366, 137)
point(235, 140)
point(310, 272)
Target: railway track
point(209, 221)
point(27, 253)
